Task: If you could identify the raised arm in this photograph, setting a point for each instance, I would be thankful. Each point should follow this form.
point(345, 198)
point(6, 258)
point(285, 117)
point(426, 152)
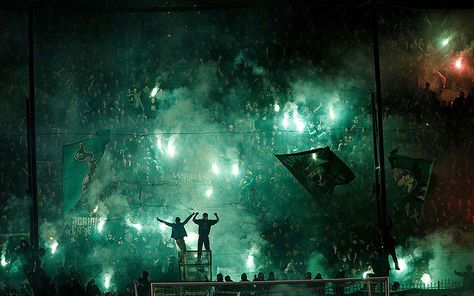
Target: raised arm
point(461, 274)
point(194, 218)
point(217, 217)
point(187, 219)
point(164, 222)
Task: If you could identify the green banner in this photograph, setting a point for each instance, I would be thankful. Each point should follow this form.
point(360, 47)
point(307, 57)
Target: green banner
point(80, 161)
point(412, 176)
point(318, 170)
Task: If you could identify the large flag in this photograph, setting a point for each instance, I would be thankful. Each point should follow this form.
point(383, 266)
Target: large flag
point(80, 161)
point(412, 176)
point(318, 170)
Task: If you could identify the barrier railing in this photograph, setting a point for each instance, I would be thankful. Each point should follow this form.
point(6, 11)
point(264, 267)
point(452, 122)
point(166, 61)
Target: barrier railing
point(321, 287)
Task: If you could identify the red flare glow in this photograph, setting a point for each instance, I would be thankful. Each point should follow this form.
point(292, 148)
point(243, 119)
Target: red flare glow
point(458, 64)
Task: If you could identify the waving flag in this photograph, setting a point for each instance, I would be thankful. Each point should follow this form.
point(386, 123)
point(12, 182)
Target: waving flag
point(318, 170)
point(412, 176)
point(80, 161)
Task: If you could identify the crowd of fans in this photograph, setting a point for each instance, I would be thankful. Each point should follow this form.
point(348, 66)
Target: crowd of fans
point(92, 81)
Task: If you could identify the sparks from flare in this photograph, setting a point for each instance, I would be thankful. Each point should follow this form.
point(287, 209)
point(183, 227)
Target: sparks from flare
point(107, 278)
point(100, 225)
point(171, 150)
point(209, 192)
point(426, 279)
point(402, 264)
point(277, 107)
point(366, 273)
point(137, 226)
point(332, 114)
point(445, 41)
point(235, 169)
point(3, 260)
point(154, 91)
point(298, 121)
point(250, 264)
point(215, 168)
point(458, 64)
point(54, 247)
point(285, 120)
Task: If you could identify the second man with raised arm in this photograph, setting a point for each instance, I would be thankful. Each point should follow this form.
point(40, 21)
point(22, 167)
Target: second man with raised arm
point(177, 231)
point(204, 230)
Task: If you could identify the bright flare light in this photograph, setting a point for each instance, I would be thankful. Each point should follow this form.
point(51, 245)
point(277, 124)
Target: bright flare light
point(163, 227)
point(192, 237)
point(209, 192)
point(426, 279)
point(215, 168)
point(458, 64)
point(3, 261)
point(95, 209)
point(445, 41)
point(171, 150)
point(366, 273)
point(54, 246)
point(300, 125)
point(159, 145)
point(107, 278)
point(277, 107)
point(235, 169)
point(154, 91)
point(137, 226)
point(332, 114)
point(298, 122)
point(285, 120)
point(101, 223)
point(402, 264)
point(250, 264)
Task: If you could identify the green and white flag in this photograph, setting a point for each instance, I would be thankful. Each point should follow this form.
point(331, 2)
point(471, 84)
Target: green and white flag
point(318, 170)
point(80, 161)
point(412, 176)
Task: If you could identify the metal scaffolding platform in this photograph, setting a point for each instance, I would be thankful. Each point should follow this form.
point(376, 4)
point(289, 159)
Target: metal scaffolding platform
point(193, 270)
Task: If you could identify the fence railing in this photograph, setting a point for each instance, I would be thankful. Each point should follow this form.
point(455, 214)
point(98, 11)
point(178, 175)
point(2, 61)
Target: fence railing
point(361, 287)
point(444, 284)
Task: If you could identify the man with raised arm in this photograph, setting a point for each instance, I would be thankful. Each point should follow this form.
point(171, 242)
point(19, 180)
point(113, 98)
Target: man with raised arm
point(177, 231)
point(204, 230)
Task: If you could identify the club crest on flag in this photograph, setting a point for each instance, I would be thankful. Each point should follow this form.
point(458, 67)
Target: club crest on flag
point(318, 170)
point(412, 176)
point(404, 179)
point(80, 162)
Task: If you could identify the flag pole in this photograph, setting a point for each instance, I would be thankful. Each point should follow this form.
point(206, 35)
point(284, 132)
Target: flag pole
point(31, 135)
point(376, 159)
point(378, 126)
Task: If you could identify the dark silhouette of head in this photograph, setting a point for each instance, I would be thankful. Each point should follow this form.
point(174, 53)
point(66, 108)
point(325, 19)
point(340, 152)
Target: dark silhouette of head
point(219, 277)
point(177, 220)
point(243, 277)
point(24, 243)
point(395, 286)
point(205, 216)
